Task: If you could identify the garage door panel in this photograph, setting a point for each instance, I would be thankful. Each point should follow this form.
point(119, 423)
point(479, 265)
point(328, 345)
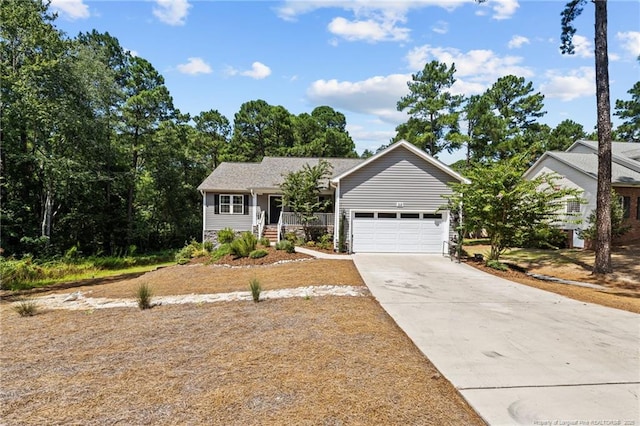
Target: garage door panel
point(397, 235)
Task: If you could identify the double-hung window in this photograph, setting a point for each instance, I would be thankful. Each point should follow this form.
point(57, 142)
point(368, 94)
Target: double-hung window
point(231, 204)
point(573, 206)
point(625, 203)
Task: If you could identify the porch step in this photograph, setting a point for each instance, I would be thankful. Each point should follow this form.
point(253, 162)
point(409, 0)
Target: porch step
point(271, 232)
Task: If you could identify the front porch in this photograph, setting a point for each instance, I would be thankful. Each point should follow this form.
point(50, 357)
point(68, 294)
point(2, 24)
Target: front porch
point(291, 222)
point(273, 221)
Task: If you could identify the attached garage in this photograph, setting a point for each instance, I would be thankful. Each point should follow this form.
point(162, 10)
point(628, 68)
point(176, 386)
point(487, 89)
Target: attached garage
point(398, 232)
point(393, 202)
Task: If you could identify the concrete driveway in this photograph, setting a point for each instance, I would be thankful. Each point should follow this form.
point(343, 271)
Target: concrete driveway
point(519, 355)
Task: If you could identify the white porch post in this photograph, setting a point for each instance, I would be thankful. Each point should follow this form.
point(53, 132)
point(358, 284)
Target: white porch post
point(336, 217)
point(254, 203)
point(204, 213)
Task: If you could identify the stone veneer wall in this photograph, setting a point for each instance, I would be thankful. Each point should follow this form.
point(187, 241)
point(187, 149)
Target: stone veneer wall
point(211, 235)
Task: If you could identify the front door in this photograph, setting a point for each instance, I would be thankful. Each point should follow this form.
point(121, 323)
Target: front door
point(274, 208)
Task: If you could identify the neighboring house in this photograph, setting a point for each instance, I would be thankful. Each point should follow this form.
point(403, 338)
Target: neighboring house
point(389, 202)
point(578, 168)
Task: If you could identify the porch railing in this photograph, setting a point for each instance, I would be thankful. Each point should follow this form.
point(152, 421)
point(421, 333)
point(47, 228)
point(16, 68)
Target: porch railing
point(295, 219)
point(279, 227)
point(261, 220)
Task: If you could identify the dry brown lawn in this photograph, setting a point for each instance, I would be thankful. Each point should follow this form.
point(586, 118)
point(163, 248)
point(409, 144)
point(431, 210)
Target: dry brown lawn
point(324, 360)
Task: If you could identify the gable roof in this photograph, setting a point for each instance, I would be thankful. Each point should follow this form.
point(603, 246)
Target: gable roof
point(268, 174)
point(588, 164)
point(410, 147)
point(625, 168)
point(623, 149)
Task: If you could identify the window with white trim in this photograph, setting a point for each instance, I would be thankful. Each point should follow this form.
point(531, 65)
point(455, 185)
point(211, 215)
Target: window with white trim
point(573, 206)
point(231, 204)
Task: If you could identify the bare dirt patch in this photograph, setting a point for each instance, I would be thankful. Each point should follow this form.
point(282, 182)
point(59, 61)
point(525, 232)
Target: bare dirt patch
point(326, 360)
point(622, 289)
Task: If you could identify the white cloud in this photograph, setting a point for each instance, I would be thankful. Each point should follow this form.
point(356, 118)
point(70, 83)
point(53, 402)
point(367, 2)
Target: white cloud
point(440, 27)
point(502, 9)
point(368, 30)
point(376, 95)
point(476, 70)
point(71, 9)
point(578, 83)
point(291, 9)
point(630, 41)
point(372, 21)
point(258, 71)
point(172, 12)
point(517, 41)
point(582, 47)
point(195, 66)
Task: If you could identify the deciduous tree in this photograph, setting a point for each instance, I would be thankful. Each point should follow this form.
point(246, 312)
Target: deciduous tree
point(504, 204)
point(301, 190)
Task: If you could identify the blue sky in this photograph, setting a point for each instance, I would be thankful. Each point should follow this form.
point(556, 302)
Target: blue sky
point(357, 56)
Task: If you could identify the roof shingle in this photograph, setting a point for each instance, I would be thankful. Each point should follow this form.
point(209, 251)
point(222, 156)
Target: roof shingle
point(268, 174)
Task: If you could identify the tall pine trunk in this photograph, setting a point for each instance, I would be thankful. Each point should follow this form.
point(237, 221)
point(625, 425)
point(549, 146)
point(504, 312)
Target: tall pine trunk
point(603, 204)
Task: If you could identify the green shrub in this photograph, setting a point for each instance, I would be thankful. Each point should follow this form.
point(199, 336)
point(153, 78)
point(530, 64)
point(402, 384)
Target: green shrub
point(245, 244)
point(286, 245)
point(143, 296)
point(226, 236)
point(26, 308)
point(221, 251)
point(310, 244)
point(208, 246)
point(325, 241)
point(292, 237)
point(494, 264)
point(17, 272)
point(191, 250)
point(73, 253)
point(545, 237)
point(264, 241)
point(257, 254)
point(256, 289)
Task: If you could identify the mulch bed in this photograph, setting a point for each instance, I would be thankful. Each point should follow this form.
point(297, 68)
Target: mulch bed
point(273, 256)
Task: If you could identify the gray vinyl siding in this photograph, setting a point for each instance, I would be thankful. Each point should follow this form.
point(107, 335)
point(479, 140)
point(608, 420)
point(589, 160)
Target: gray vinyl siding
point(215, 222)
point(581, 149)
point(399, 176)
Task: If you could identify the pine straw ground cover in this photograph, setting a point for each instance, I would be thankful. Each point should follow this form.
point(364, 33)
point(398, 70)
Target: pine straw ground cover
point(622, 288)
point(324, 360)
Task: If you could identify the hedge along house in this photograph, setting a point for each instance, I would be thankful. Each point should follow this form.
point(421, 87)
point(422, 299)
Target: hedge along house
point(578, 169)
point(390, 202)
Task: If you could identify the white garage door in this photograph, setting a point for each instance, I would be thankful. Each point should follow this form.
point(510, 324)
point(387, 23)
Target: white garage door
point(389, 232)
